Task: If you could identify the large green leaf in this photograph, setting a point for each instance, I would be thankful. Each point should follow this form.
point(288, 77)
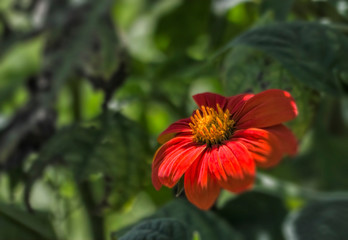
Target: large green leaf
point(302, 49)
point(18, 224)
point(280, 9)
point(320, 220)
point(68, 41)
point(254, 213)
point(158, 229)
point(324, 160)
point(195, 18)
point(341, 6)
point(112, 145)
point(19, 64)
point(247, 70)
point(208, 225)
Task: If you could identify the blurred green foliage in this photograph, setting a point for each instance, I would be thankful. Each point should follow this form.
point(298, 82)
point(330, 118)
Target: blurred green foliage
point(86, 87)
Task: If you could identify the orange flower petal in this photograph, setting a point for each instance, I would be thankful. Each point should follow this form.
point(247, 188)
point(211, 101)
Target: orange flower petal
point(232, 166)
point(176, 163)
point(170, 147)
point(262, 145)
point(217, 166)
point(236, 185)
point(236, 103)
point(223, 163)
point(268, 108)
point(201, 188)
point(240, 152)
point(286, 139)
point(181, 126)
point(268, 145)
point(210, 100)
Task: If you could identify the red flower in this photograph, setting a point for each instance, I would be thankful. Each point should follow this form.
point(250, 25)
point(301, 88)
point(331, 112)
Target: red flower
point(223, 142)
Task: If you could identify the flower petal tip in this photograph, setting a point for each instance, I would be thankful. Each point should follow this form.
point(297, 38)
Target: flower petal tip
point(209, 99)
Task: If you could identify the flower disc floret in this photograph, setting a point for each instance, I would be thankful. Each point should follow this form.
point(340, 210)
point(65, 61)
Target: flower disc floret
point(211, 127)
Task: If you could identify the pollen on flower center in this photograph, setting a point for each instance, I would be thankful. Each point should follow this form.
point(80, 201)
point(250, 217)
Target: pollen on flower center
point(210, 126)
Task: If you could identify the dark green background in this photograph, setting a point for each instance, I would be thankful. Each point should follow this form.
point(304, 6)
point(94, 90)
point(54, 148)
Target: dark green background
point(86, 86)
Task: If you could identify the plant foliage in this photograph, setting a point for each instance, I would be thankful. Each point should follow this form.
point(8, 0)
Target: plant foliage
point(87, 86)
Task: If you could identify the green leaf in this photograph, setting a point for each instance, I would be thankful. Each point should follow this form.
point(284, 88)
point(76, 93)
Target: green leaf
point(280, 9)
point(255, 212)
point(18, 224)
point(173, 38)
point(76, 36)
point(207, 224)
point(247, 70)
point(341, 6)
point(302, 49)
point(320, 220)
point(324, 161)
point(158, 229)
point(19, 64)
point(111, 145)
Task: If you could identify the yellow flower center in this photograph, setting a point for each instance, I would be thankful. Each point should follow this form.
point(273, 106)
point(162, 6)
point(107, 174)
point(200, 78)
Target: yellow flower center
point(210, 126)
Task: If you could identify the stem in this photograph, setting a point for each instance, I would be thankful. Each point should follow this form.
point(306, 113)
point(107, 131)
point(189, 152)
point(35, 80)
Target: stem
point(75, 89)
point(96, 221)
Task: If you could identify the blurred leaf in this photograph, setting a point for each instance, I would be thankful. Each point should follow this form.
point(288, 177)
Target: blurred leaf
point(325, 160)
point(255, 213)
point(64, 47)
point(18, 224)
point(247, 70)
point(134, 210)
point(303, 50)
point(143, 19)
point(221, 6)
point(17, 66)
point(341, 6)
point(195, 18)
point(111, 145)
point(280, 9)
point(207, 224)
point(320, 220)
point(158, 229)
point(65, 51)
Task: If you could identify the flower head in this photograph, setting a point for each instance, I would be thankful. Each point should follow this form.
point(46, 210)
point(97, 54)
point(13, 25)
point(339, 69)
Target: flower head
point(223, 141)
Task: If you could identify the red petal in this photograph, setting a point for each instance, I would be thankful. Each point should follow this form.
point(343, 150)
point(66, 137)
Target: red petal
point(210, 100)
point(169, 147)
point(236, 103)
point(223, 163)
point(201, 188)
point(268, 108)
point(240, 152)
point(236, 185)
point(175, 164)
point(268, 145)
point(286, 138)
point(232, 166)
point(217, 166)
point(181, 126)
